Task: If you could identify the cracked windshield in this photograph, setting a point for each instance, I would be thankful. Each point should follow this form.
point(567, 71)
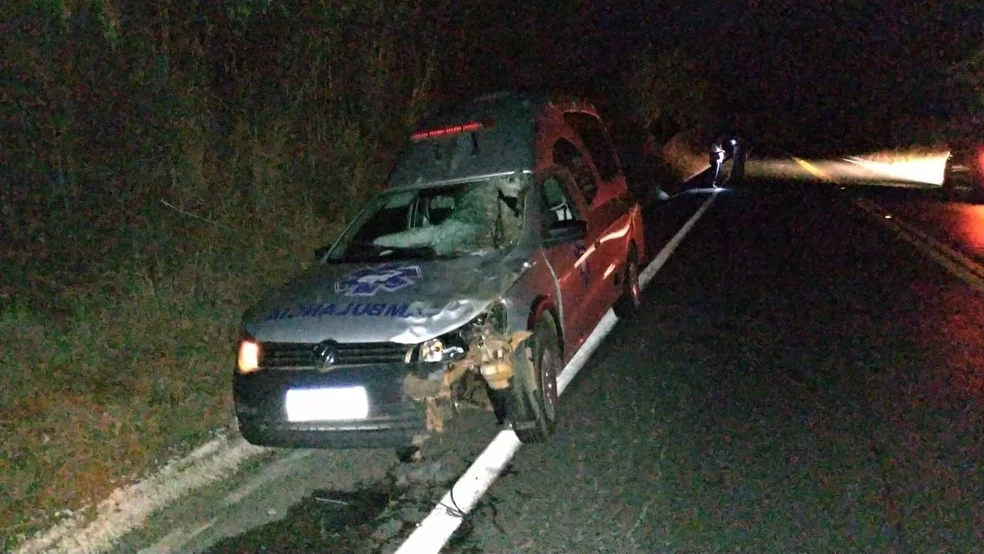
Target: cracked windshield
point(446, 221)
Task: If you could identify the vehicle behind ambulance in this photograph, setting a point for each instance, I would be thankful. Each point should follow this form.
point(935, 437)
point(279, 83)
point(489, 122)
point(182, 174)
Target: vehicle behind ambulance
point(504, 234)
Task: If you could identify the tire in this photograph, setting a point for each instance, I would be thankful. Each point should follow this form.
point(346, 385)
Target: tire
point(247, 433)
point(500, 404)
point(630, 301)
point(533, 399)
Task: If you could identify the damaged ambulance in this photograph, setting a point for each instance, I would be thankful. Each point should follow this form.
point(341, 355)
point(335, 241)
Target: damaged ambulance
point(505, 232)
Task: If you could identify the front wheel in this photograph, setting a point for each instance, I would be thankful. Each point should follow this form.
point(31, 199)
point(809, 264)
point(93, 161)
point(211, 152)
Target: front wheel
point(629, 302)
point(533, 402)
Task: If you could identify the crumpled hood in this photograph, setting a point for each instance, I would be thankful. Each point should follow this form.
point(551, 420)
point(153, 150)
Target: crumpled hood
point(405, 301)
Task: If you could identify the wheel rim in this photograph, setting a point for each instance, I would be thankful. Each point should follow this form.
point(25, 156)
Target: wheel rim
point(548, 380)
point(635, 291)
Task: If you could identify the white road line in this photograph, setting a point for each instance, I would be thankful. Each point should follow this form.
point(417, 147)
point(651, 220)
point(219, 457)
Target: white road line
point(270, 473)
point(175, 540)
point(812, 169)
point(436, 529)
point(664, 254)
point(127, 508)
point(958, 264)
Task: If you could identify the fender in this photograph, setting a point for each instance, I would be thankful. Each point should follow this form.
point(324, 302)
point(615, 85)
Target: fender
point(546, 304)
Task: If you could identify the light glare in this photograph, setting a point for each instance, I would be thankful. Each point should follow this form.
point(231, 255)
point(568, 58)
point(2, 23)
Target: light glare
point(915, 168)
point(327, 404)
point(248, 360)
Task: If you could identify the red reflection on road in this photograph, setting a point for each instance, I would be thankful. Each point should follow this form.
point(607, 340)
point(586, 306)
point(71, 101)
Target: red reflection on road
point(956, 326)
point(959, 226)
point(953, 371)
point(970, 226)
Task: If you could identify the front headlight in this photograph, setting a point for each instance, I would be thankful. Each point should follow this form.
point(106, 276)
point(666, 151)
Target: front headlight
point(250, 354)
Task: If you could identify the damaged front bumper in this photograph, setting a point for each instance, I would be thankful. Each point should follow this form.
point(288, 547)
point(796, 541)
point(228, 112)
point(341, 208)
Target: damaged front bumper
point(394, 419)
point(401, 403)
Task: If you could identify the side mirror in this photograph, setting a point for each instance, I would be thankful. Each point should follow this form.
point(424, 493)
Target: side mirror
point(563, 232)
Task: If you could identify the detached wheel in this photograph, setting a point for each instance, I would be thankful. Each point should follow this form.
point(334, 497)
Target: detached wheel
point(630, 301)
point(533, 399)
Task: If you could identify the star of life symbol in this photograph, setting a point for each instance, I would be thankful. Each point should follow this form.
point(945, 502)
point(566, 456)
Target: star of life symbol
point(369, 281)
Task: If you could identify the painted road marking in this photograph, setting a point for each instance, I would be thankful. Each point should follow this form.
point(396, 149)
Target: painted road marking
point(127, 508)
point(664, 254)
point(953, 261)
point(436, 529)
point(812, 169)
point(177, 539)
point(270, 473)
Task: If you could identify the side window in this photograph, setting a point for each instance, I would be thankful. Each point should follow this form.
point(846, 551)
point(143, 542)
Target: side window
point(568, 156)
point(596, 140)
point(555, 203)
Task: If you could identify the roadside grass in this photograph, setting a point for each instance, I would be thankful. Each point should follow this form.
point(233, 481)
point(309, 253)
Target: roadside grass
point(168, 164)
point(122, 362)
point(121, 380)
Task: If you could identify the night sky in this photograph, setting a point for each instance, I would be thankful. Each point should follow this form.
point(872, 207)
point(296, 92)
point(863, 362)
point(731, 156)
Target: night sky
point(851, 75)
point(824, 75)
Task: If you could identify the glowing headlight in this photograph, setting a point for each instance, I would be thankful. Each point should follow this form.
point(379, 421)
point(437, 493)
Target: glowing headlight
point(249, 356)
point(435, 350)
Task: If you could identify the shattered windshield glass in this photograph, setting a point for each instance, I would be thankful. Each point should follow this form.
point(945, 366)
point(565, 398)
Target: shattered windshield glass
point(445, 221)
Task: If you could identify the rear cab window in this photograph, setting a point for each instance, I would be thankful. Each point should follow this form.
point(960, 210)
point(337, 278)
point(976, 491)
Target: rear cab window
point(596, 140)
point(569, 156)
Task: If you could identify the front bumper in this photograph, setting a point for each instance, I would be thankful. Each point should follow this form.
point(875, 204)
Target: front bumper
point(394, 418)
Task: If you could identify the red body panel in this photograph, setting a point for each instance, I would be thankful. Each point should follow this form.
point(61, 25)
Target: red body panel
point(589, 273)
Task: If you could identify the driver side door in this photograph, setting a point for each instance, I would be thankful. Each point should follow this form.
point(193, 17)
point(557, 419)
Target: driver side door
point(570, 261)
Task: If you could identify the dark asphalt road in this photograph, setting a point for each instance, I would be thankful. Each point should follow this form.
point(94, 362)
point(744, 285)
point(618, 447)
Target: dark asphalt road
point(800, 380)
point(958, 224)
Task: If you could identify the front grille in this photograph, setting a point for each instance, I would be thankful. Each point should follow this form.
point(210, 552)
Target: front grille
point(298, 355)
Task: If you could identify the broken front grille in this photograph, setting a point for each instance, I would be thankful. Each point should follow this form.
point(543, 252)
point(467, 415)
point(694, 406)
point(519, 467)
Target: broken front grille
point(296, 355)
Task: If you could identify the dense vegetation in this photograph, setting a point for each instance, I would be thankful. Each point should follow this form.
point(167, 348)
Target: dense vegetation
point(162, 162)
